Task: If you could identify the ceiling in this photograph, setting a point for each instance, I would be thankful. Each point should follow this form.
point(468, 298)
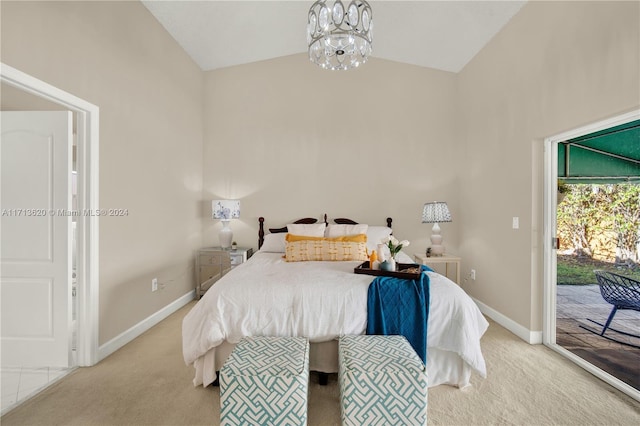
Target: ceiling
point(444, 35)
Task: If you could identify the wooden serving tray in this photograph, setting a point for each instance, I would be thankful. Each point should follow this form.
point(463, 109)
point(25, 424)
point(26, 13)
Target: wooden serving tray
point(399, 273)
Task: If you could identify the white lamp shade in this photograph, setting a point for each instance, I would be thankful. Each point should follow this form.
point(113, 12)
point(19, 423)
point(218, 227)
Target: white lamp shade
point(225, 209)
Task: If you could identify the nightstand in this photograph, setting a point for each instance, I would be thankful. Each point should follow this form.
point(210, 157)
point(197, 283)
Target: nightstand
point(445, 258)
point(212, 263)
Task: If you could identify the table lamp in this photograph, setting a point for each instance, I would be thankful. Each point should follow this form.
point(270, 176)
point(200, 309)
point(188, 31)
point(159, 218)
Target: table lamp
point(436, 212)
point(225, 210)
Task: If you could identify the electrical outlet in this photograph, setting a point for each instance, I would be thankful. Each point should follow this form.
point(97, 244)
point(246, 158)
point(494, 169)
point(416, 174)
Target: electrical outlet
point(154, 284)
point(473, 274)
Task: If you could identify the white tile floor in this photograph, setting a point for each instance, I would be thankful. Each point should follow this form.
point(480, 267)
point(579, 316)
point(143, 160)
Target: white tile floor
point(19, 384)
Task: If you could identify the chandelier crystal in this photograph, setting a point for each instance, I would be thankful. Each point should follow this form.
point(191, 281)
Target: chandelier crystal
point(339, 37)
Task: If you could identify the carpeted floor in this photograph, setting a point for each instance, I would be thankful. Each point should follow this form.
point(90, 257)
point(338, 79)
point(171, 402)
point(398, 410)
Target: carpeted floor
point(147, 383)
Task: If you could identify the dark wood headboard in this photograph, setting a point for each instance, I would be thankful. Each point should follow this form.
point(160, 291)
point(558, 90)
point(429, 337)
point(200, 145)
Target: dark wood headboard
point(345, 221)
point(306, 220)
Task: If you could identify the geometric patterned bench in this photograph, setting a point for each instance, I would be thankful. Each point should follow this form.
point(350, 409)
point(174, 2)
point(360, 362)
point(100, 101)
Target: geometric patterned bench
point(265, 381)
point(382, 381)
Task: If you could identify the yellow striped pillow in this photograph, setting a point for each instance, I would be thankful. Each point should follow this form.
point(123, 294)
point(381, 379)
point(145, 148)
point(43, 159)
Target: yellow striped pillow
point(302, 249)
point(357, 238)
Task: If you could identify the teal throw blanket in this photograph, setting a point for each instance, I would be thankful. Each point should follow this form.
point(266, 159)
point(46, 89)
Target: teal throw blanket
point(397, 306)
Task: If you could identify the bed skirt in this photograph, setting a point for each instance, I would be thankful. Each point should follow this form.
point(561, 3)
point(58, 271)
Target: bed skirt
point(443, 367)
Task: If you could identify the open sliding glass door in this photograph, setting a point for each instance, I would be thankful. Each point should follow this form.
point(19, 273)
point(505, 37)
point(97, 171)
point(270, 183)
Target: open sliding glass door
point(551, 245)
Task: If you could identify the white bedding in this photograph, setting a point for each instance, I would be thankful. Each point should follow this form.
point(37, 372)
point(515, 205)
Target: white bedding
point(319, 300)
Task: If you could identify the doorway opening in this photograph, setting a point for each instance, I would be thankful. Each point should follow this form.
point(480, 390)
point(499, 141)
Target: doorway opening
point(86, 118)
point(595, 218)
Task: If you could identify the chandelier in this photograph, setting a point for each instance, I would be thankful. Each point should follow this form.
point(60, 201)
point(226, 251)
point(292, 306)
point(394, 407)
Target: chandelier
point(339, 38)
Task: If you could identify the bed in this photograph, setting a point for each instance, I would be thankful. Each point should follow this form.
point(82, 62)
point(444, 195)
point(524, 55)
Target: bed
point(322, 300)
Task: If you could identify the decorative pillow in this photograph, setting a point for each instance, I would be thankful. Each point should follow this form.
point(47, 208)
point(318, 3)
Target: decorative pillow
point(274, 243)
point(375, 235)
point(358, 238)
point(331, 249)
point(310, 230)
point(340, 230)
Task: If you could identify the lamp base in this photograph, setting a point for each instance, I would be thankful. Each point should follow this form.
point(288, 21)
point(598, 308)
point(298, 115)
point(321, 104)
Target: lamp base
point(225, 235)
point(437, 249)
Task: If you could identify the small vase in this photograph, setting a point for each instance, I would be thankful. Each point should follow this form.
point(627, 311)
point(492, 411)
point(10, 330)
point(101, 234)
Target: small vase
point(381, 257)
point(392, 263)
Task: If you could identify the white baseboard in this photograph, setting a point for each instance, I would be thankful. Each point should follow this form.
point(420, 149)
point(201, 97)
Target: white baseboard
point(531, 337)
point(119, 341)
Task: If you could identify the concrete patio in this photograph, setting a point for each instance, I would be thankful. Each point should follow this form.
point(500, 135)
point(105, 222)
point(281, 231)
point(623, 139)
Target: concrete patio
point(575, 306)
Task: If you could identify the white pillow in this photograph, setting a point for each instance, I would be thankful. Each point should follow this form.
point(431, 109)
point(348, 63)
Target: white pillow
point(274, 243)
point(375, 235)
point(342, 230)
point(307, 230)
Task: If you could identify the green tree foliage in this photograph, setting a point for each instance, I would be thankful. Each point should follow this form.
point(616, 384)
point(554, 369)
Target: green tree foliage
point(590, 212)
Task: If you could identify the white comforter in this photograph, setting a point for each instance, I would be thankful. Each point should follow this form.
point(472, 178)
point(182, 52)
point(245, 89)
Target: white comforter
point(319, 300)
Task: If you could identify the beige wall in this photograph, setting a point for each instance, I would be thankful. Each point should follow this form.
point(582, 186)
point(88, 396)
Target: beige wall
point(555, 67)
point(118, 57)
point(291, 140)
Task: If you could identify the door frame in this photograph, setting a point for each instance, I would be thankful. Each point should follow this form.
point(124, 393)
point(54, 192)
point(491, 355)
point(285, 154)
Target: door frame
point(550, 258)
point(87, 116)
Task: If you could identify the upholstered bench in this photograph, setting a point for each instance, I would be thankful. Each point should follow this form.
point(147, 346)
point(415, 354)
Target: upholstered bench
point(382, 382)
point(265, 381)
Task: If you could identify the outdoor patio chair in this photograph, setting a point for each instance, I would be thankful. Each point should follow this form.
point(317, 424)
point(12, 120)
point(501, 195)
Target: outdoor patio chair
point(623, 293)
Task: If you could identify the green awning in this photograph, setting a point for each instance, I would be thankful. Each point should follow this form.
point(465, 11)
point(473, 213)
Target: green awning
point(608, 156)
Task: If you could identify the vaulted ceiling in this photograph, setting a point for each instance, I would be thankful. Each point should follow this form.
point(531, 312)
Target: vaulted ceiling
point(444, 35)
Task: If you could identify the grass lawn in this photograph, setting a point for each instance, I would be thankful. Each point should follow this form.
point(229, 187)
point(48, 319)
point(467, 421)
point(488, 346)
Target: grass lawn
point(574, 270)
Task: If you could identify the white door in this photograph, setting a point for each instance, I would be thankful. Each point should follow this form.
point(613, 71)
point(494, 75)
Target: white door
point(35, 251)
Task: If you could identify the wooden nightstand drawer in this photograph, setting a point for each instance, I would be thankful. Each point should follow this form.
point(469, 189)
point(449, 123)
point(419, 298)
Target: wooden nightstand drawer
point(219, 258)
point(214, 262)
point(208, 272)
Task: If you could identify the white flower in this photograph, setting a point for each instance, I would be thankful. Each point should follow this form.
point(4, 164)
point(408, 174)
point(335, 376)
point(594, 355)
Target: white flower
point(394, 245)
